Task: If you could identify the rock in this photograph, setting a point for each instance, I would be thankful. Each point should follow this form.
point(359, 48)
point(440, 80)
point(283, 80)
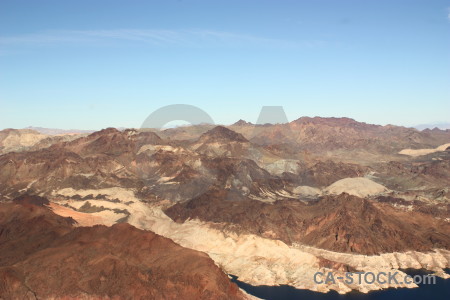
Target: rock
point(44, 256)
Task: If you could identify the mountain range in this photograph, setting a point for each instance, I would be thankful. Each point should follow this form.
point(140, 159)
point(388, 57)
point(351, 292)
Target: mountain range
point(271, 204)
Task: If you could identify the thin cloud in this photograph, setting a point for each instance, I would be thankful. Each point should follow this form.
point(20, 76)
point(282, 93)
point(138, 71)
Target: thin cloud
point(155, 37)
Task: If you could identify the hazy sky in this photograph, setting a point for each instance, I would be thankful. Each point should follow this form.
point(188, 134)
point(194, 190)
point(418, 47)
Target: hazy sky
point(93, 64)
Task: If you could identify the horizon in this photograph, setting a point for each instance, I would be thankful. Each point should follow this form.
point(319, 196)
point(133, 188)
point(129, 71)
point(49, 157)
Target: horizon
point(178, 124)
point(87, 65)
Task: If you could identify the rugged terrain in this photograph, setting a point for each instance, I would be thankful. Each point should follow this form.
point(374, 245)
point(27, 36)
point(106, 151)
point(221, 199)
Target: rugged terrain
point(16, 140)
point(271, 204)
point(44, 256)
point(343, 223)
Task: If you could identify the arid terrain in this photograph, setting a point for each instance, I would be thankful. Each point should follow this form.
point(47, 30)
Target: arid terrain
point(45, 256)
point(167, 214)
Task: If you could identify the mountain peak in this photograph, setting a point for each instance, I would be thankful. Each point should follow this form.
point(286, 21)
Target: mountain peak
point(242, 123)
point(324, 120)
point(107, 131)
point(221, 133)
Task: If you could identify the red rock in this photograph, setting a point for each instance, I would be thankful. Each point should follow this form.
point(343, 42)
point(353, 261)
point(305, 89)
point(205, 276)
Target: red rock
point(43, 256)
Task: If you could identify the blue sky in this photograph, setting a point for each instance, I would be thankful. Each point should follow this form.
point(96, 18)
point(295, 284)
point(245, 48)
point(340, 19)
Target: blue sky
point(94, 64)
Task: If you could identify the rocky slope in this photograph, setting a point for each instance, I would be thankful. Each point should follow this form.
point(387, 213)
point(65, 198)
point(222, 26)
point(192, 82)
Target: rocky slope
point(342, 223)
point(255, 259)
point(343, 139)
point(250, 198)
point(142, 160)
point(17, 140)
point(44, 256)
point(346, 133)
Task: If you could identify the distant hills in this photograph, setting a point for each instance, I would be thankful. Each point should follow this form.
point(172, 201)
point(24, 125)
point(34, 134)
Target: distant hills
point(55, 131)
point(442, 126)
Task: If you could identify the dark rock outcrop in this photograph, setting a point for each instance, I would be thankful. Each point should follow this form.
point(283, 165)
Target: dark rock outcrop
point(43, 256)
point(223, 134)
point(341, 223)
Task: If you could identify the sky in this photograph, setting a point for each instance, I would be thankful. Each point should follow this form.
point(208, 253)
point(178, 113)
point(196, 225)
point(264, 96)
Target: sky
point(96, 64)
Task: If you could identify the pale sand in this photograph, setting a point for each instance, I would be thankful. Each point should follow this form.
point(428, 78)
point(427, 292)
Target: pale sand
point(82, 219)
point(308, 191)
point(358, 186)
point(419, 152)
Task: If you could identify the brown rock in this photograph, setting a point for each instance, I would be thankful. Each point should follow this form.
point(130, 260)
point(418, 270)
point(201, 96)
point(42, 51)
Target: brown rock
point(341, 223)
point(43, 256)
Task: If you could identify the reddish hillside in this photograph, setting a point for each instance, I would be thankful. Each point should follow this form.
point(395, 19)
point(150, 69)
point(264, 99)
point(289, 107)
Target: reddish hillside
point(44, 256)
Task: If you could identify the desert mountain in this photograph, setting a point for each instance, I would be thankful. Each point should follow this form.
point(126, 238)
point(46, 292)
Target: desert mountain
point(17, 140)
point(56, 131)
point(180, 170)
point(241, 123)
point(336, 134)
point(312, 191)
point(342, 223)
point(98, 262)
point(343, 139)
point(442, 126)
point(223, 142)
point(221, 134)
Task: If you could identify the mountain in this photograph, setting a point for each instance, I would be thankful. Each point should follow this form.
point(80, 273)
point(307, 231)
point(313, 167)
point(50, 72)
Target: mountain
point(320, 191)
point(16, 140)
point(55, 131)
point(342, 223)
point(441, 126)
point(343, 138)
point(221, 134)
point(98, 262)
point(221, 141)
point(242, 123)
